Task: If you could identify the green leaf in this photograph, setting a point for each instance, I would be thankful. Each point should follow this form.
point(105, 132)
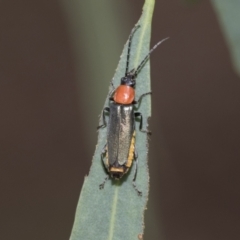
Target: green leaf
point(117, 212)
point(229, 18)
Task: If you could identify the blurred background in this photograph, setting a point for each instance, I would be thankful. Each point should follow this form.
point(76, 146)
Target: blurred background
point(56, 61)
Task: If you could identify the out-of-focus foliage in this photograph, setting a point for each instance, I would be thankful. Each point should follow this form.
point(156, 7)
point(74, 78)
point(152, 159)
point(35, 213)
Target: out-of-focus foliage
point(192, 1)
point(228, 13)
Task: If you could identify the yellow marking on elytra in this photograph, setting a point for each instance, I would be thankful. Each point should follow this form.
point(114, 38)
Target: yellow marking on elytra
point(116, 169)
point(131, 152)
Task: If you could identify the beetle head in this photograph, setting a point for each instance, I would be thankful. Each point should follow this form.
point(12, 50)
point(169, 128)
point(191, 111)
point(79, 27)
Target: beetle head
point(129, 79)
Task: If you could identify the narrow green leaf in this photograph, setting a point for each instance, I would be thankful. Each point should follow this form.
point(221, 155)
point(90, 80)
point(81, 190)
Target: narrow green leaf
point(229, 18)
point(116, 212)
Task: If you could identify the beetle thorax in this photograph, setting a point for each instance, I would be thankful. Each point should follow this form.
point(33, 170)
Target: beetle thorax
point(124, 94)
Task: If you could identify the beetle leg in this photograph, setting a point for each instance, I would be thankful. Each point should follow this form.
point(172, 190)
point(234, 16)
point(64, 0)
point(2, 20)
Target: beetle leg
point(113, 89)
point(140, 99)
point(104, 151)
point(101, 186)
point(135, 174)
point(111, 95)
point(106, 109)
point(138, 114)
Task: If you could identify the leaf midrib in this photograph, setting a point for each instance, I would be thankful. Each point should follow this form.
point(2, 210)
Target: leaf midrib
point(136, 61)
point(140, 44)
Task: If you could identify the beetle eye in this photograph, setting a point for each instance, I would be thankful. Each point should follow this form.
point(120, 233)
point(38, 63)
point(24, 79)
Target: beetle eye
point(131, 83)
point(123, 80)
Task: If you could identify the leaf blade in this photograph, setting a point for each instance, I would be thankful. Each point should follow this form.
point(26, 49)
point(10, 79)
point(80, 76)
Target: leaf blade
point(116, 212)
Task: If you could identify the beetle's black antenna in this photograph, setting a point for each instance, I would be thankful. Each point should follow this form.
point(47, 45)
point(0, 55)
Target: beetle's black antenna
point(129, 46)
point(139, 68)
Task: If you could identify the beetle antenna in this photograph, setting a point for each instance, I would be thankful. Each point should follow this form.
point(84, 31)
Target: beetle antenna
point(139, 68)
point(129, 46)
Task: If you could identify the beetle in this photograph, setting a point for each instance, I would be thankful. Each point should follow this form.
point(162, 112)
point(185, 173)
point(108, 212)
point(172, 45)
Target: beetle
point(120, 150)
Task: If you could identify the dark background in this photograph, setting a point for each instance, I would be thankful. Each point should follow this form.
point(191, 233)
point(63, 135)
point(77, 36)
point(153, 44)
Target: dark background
point(49, 107)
